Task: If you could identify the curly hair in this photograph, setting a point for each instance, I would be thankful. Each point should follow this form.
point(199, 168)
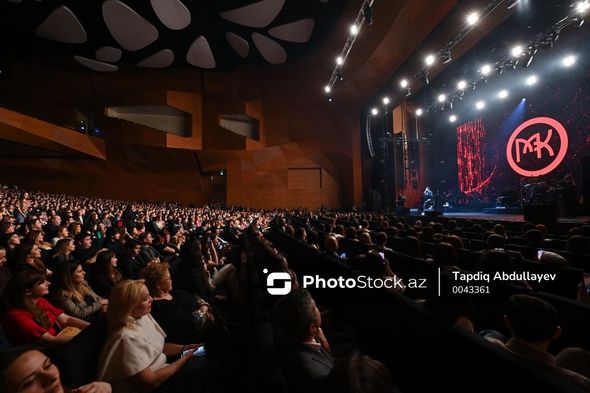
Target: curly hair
point(153, 274)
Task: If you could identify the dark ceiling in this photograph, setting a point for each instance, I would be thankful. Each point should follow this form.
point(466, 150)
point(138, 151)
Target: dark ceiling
point(122, 34)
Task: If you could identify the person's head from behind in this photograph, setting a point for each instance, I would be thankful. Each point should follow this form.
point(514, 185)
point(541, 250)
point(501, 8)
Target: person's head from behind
point(312, 237)
point(351, 233)
point(331, 244)
point(365, 237)
point(27, 370)
point(532, 319)
point(541, 228)
point(534, 237)
point(411, 246)
point(552, 258)
point(300, 234)
point(380, 239)
point(499, 229)
point(456, 242)
point(359, 374)
point(577, 244)
point(297, 317)
point(495, 241)
point(495, 261)
point(444, 254)
point(129, 300)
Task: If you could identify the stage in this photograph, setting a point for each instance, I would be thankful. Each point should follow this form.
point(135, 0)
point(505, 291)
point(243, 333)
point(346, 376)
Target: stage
point(510, 217)
point(491, 214)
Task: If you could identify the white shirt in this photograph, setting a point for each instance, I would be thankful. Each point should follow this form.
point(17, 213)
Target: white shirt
point(131, 350)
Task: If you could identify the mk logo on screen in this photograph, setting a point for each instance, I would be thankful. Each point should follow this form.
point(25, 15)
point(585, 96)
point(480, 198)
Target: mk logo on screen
point(534, 144)
point(544, 148)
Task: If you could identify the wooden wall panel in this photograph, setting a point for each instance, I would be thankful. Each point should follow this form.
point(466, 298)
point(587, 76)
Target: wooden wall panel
point(130, 172)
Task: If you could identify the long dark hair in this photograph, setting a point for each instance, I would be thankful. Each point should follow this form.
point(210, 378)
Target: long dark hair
point(15, 294)
point(103, 265)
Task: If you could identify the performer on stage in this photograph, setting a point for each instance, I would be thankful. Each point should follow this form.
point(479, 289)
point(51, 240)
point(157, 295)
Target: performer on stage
point(401, 200)
point(427, 199)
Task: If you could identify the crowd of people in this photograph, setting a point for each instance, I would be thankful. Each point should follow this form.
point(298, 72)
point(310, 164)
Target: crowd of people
point(171, 282)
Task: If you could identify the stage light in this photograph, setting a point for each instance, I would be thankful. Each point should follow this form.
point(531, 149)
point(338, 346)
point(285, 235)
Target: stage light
point(510, 4)
point(480, 105)
point(330, 99)
point(503, 94)
point(429, 60)
point(374, 111)
point(446, 56)
point(385, 100)
point(516, 51)
point(531, 56)
point(472, 18)
point(461, 85)
point(403, 83)
point(531, 80)
point(368, 13)
point(442, 98)
point(419, 112)
point(486, 69)
point(453, 118)
point(424, 77)
point(569, 61)
point(339, 60)
point(582, 6)
point(327, 89)
point(354, 30)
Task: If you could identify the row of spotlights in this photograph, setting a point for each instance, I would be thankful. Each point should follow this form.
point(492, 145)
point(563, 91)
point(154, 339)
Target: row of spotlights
point(478, 105)
point(567, 61)
point(581, 7)
point(486, 69)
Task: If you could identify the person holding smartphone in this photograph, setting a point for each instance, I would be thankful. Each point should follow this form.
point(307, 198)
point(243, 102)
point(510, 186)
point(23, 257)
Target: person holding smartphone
point(134, 357)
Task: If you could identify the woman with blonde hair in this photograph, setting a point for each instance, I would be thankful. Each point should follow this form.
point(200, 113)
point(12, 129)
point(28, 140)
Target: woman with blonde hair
point(134, 356)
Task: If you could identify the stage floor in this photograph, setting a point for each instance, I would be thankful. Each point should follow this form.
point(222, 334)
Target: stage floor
point(512, 217)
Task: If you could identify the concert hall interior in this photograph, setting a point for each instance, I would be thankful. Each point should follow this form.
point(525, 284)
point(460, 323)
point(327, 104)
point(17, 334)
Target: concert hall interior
point(286, 196)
